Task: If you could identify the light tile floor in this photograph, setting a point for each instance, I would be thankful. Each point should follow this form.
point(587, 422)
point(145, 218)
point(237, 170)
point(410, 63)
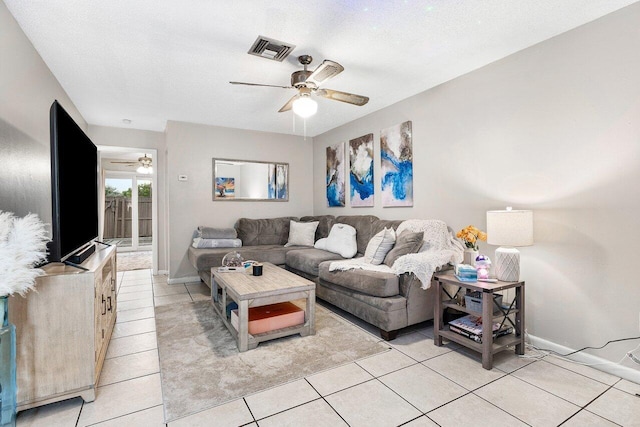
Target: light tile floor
point(416, 384)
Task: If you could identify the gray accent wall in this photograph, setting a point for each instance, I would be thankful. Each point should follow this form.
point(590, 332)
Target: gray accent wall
point(190, 150)
point(556, 129)
point(27, 90)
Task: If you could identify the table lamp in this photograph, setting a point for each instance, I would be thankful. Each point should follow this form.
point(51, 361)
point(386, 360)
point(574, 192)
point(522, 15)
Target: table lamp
point(508, 229)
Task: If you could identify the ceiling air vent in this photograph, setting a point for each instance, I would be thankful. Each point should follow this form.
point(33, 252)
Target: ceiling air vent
point(271, 49)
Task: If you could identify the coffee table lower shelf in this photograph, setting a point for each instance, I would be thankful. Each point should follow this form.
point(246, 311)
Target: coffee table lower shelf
point(252, 341)
point(275, 285)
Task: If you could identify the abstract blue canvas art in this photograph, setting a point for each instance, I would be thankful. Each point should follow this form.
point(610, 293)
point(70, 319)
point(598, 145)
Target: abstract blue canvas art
point(271, 181)
point(396, 165)
point(361, 171)
point(335, 175)
point(281, 182)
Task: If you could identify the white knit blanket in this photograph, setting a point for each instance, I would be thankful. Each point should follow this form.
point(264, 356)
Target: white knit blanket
point(439, 249)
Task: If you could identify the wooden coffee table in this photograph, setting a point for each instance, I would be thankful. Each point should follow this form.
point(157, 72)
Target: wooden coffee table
point(274, 286)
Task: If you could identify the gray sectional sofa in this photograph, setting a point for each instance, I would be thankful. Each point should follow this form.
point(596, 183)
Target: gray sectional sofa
point(385, 300)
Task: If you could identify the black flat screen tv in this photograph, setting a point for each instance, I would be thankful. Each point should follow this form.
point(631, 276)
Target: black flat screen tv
point(74, 186)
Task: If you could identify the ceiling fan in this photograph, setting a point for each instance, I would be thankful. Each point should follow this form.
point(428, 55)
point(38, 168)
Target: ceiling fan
point(143, 162)
point(308, 83)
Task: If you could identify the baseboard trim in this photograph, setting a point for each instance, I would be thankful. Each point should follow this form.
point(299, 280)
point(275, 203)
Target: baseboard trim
point(163, 272)
point(181, 280)
point(601, 364)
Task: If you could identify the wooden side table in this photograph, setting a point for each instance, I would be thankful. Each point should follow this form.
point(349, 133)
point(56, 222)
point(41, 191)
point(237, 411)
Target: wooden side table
point(490, 346)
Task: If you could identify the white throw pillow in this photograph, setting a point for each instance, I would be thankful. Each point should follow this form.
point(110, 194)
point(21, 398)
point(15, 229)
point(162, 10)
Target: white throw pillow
point(321, 244)
point(342, 240)
point(379, 246)
point(302, 233)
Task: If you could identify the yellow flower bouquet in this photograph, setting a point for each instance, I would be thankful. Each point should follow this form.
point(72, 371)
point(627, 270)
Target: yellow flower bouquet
point(470, 236)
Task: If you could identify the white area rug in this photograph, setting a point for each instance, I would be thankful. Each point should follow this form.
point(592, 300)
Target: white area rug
point(128, 261)
point(201, 367)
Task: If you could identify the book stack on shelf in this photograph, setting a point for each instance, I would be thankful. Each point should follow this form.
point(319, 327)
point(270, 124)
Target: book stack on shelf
point(471, 327)
point(466, 273)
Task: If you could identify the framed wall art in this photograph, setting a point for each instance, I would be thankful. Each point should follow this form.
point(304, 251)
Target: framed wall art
point(335, 181)
point(361, 171)
point(396, 165)
point(225, 187)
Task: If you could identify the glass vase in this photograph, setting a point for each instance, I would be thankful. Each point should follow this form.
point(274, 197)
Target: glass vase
point(7, 366)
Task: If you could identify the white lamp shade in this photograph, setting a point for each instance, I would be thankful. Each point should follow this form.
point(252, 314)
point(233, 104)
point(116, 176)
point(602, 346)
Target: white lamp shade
point(304, 106)
point(507, 229)
point(145, 170)
point(510, 228)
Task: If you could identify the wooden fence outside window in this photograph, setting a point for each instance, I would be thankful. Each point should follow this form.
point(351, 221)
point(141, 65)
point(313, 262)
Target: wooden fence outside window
point(117, 217)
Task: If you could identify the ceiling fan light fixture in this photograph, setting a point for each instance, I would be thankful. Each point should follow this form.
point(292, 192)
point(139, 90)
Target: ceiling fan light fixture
point(145, 170)
point(304, 106)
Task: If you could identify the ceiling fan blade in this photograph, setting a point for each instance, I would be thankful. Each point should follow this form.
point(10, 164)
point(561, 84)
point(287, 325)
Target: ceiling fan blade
point(349, 98)
point(258, 84)
point(126, 163)
point(324, 72)
point(289, 104)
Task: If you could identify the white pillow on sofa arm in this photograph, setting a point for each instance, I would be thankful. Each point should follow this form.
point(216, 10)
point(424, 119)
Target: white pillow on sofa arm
point(302, 233)
point(379, 246)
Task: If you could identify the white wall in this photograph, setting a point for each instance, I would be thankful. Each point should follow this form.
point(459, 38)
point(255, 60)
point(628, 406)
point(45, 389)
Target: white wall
point(556, 129)
point(190, 150)
point(122, 137)
point(27, 90)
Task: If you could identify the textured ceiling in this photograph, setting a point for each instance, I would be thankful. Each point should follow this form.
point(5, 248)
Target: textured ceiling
point(150, 61)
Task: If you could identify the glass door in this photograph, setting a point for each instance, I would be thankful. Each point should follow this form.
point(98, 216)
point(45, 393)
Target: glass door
point(127, 213)
point(145, 213)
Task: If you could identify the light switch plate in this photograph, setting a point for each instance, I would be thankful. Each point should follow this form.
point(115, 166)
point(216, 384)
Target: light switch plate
point(182, 177)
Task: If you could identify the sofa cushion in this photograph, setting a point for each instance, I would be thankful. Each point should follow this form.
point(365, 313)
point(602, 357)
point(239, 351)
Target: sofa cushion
point(204, 259)
point(381, 224)
point(379, 246)
point(308, 260)
point(406, 243)
point(387, 313)
point(362, 224)
point(302, 233)
point(325, 222)
point(367, 282)
point(269, 231)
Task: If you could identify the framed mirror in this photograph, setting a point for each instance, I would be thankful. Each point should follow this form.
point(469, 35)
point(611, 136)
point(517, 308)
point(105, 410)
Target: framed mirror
point(250, 180)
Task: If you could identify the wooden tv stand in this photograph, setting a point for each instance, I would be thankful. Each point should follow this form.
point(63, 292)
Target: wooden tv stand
point(63, 330)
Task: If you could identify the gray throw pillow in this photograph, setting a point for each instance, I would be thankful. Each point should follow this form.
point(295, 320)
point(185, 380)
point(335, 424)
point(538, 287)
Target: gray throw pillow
point(406, 243)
